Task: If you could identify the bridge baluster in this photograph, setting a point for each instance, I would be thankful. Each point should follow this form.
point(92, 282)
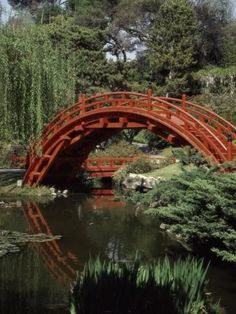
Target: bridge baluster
point(82, 101)
point(149, 99)
point(184, 101)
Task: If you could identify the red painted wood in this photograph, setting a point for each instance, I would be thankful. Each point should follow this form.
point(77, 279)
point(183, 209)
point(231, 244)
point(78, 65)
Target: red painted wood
point(71, 130)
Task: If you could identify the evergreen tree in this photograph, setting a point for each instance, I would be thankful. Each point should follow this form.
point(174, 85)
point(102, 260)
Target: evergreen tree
point(171, 45)
point(213, 16)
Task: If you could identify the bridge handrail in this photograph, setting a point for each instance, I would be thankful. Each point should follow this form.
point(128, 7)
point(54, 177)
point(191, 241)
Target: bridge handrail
point(228, 127)
point(210, 114)
point(90, 98)
point(78, 106)
point(87, 104)
point(76, 110)
point(123, 97)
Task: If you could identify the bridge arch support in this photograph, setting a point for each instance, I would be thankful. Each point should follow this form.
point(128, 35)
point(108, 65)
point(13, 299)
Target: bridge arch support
point(68, 139)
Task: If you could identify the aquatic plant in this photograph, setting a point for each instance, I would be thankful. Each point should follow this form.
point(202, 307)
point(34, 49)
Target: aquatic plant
point(160, 287)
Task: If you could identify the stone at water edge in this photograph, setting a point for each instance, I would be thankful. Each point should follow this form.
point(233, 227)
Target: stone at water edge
point(163, 226)
point(134, 181)
point(53, 191)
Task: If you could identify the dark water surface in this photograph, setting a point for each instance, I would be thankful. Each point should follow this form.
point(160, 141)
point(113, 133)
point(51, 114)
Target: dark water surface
point(38, 278)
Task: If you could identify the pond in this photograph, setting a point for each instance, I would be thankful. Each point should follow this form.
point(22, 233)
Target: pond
point(37, 279)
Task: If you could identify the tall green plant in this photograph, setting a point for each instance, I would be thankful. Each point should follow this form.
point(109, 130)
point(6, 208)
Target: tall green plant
point(35, 81)
point(161, 287)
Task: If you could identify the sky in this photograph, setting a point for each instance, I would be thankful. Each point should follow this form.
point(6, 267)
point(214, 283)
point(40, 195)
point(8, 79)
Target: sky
point(4, 2)
point(5, 5)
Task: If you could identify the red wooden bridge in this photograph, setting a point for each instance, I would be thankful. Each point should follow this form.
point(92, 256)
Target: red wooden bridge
point(67, 140)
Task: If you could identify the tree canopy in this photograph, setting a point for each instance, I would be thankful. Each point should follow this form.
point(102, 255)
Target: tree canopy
point(94, 45)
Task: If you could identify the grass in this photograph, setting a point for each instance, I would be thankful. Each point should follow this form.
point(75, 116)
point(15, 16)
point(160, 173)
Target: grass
point(13, 190)
point(169, 171)
point(8, 187)
point(167, 152)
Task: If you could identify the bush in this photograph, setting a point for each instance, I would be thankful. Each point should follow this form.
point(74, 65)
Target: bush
point(140, 165)
point(5, 155)
point(162, 287)
point(189, 155)
point(120, 149)
point(200, 205)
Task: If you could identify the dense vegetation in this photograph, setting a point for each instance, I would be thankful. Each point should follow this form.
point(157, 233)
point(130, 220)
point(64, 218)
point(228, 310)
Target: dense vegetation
point(160, 287)
point(50, 51)
point(199, 205)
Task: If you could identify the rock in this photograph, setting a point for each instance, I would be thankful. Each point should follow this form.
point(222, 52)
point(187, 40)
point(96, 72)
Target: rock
point(53, 191)
point(163, 226)
point(139, 181)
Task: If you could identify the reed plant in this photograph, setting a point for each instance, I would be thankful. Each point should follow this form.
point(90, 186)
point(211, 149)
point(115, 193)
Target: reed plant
point(160, 287)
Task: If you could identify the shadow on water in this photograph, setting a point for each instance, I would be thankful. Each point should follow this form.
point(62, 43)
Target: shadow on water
point(37, 279)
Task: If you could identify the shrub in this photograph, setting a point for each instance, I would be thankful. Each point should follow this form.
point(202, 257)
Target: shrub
point(140, 165)
point(201, 206)
point(120, 149)
point(189, 155)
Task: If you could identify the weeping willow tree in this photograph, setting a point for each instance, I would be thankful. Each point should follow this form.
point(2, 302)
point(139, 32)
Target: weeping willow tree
point(36, 80)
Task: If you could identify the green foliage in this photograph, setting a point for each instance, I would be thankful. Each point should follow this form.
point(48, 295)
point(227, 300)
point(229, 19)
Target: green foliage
point(214, 72)
point(35, 81)
point(155, 143)
point(229, 44)
point(171, 44)
point(161, 287)
point(140, 165)
point(189, 155)
point(8, 187)
point(223, 104)
point(213, 16)
point(144, 166)
point(5, 151)
point(119, 149)
point(201, 206)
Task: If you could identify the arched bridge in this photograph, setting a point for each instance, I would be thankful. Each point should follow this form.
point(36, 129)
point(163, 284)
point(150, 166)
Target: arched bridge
point(67, 140)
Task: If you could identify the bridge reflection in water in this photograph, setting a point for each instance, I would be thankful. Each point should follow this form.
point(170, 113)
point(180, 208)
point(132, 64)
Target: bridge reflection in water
point(96, 225)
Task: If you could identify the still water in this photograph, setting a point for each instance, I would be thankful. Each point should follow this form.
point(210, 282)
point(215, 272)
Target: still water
point(37, 279)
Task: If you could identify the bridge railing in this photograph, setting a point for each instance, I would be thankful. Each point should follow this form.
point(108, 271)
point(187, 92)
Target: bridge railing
point(221, 125)
point(210, 127)
point(106, 162)
point(141, 101)
point(114, 163)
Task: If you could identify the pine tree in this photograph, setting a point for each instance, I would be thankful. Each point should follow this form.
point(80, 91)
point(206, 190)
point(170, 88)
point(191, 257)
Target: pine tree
point(171, 44)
